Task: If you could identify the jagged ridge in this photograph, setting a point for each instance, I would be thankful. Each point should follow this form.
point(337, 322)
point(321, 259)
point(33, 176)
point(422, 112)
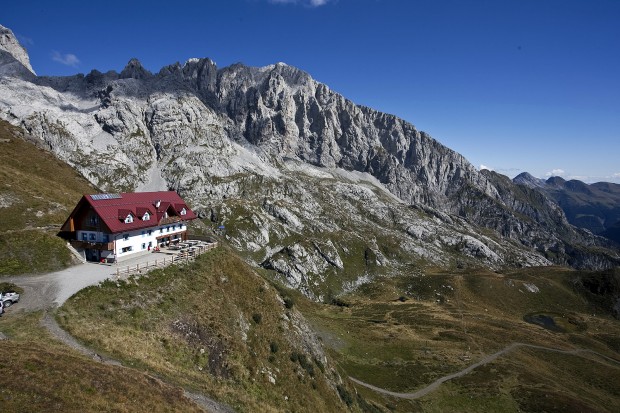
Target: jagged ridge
point(191, 123)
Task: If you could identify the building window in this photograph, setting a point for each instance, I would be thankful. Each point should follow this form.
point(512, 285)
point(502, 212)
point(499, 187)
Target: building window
point(149, 232)
point(183, 211)
point(143, 234)
point(106, 238)
point(126, 237)
point(129, 219)
point(143, 246)
point(91, 236)
point(84, 236)
point(94, 220)
point(167, 229)
point(146, 216)
point(126, 249)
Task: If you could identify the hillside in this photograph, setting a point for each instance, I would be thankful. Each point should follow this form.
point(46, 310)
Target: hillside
point(215, 326)
point(400, 334)
point(39, 374)
point(403, 333)
point(37, 192)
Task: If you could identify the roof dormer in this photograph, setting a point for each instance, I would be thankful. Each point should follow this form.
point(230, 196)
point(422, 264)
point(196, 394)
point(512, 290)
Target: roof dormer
point(125, 215)
point(143, 213)
point(181, 209)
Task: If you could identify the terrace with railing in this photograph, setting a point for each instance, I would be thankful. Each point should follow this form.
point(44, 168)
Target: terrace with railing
point(183, 252)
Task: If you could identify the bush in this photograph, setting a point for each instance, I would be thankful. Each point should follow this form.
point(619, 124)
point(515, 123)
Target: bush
point(289, 302)
point(344, 395)
point(257, 318)
point(340, 302)
point(8, 287)
point(303, 362)
point(273, 346)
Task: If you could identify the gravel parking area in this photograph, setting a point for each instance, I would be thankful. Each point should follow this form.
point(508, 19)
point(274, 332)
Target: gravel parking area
point(53, 289)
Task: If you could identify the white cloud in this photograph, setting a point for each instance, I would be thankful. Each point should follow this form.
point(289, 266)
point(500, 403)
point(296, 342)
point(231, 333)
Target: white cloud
point(555, 172)
point(482, 166)
point(67, 59)
point(616, 175)
point(308, 3)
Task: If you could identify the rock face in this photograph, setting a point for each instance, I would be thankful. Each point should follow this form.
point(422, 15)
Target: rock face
point(304, 180)
point(10, 45)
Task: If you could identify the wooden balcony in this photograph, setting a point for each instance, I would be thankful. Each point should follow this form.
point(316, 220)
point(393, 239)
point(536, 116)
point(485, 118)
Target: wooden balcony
point(104, 246)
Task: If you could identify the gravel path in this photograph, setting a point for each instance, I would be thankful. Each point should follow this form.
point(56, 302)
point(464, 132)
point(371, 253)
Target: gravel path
point(46, 291)
point(49, 291)
point(434, 385)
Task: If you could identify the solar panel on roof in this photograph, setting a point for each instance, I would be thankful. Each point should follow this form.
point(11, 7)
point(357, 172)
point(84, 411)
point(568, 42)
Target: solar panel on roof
point(99, 197)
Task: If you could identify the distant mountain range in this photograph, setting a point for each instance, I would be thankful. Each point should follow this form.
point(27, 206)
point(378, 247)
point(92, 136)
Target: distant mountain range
point(306, 182)
point(592, 206)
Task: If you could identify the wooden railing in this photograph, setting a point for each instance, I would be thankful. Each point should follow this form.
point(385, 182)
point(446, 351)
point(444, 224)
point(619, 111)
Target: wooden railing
point(124, 271)
point(104, 246)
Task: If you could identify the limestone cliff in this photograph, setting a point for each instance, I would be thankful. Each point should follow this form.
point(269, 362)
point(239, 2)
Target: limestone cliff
point(245, 142)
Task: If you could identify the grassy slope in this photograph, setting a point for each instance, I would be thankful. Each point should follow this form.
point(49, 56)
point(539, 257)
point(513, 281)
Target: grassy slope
point(450, 321)
point(37, 193)
point(214, 325)
point(39, 374)
point(163, 323)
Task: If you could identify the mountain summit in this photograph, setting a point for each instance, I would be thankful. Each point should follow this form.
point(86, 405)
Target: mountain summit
point(241, 143)
point(10, 45)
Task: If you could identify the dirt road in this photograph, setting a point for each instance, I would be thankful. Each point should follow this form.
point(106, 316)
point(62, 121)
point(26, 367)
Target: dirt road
point(434, 385)
point(49, 291)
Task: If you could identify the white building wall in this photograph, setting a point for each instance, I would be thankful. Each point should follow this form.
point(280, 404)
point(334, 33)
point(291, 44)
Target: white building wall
point(133, 242)
point(140, 241)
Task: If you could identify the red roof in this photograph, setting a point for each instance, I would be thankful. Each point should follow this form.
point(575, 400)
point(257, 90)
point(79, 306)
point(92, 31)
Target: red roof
point(114, 208)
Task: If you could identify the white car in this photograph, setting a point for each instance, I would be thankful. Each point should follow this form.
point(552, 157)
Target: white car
point(8, 299)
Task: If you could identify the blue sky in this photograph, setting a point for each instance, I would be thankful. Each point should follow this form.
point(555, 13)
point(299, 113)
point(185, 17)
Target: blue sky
point(515, 85)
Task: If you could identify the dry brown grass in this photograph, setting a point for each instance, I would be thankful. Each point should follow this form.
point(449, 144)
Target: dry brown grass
point(39, 374)
point(37, 193)
point(446, 322)
point(210, 326)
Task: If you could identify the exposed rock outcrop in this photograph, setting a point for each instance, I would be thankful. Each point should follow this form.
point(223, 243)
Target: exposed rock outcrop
point(10, 45)
point(264, 144)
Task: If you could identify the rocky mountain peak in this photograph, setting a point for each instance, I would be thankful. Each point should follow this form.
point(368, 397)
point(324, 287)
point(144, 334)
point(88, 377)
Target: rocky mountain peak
point(529, 180)
point(135, 70)
point(216, 134)
point(10, 44)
